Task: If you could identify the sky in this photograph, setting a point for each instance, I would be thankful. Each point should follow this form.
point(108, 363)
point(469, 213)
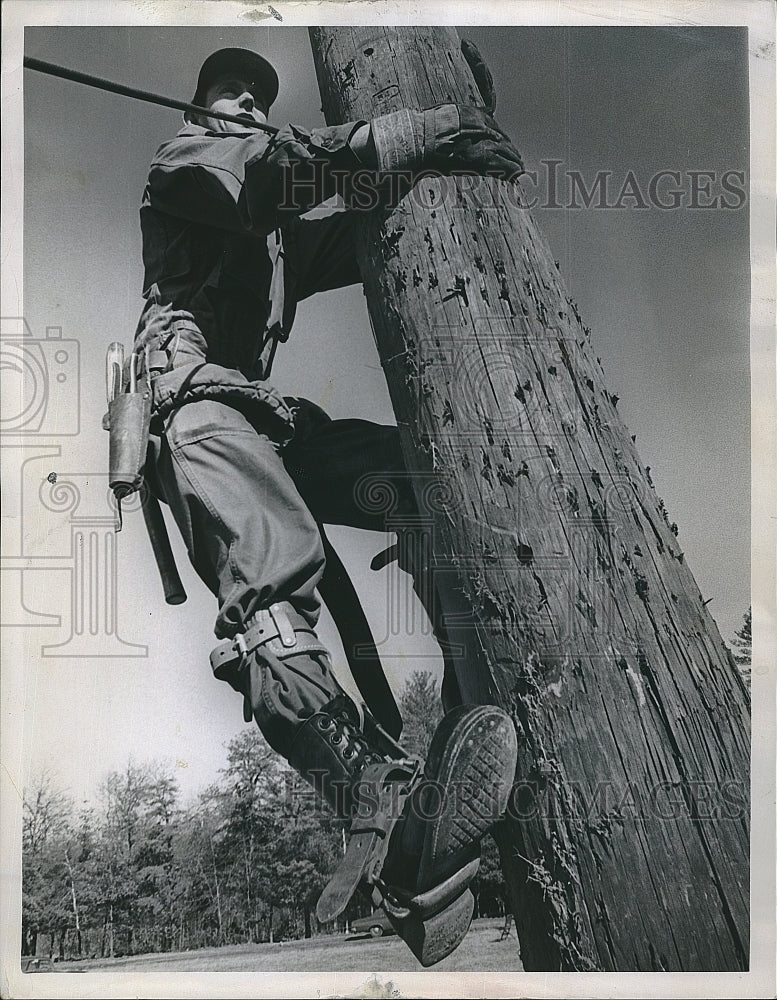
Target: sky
point(665, 292)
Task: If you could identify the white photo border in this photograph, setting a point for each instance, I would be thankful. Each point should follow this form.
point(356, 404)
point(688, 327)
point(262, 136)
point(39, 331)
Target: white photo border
point(759, 17)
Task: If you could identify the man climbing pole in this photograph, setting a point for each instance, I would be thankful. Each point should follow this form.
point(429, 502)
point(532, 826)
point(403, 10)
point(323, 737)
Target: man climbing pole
point(249, 475)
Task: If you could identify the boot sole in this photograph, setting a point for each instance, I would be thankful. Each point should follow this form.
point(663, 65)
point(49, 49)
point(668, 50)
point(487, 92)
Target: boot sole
point(473, 758)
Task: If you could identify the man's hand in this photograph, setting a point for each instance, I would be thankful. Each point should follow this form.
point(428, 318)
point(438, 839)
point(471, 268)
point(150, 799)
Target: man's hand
point(482, 74)
point(479, 145)
point(451, 138)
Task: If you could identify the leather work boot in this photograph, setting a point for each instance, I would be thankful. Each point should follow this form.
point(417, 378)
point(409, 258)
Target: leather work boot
point(435, 853)
point(332, 748)
point(415, 837)
point(415, 828)
point(468, 775)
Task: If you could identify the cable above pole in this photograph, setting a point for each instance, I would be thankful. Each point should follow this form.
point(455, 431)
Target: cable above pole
point(51, 69)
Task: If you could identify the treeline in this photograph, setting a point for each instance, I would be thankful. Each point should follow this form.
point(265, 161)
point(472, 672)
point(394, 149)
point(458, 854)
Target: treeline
point(244, 862)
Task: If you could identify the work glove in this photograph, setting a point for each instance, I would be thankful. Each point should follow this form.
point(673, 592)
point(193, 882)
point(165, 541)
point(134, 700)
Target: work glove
point(481, 73)
point(479, 145)
point(450, 138)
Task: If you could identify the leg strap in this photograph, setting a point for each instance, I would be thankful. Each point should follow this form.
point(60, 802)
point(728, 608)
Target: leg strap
point(282, 629)
point(380, 794)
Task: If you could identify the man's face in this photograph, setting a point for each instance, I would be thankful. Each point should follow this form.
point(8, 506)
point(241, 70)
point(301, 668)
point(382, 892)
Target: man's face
point(230, 95)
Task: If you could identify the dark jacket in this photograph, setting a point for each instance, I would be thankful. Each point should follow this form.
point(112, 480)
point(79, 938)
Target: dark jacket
point(212, 211)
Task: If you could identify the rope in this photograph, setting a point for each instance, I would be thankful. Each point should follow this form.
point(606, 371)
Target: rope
point(139, 95)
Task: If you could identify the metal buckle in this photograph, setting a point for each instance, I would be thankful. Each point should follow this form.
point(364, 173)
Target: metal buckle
point(281, 621)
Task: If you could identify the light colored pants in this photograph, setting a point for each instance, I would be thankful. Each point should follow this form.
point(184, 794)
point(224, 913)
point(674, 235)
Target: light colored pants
point(250, 511)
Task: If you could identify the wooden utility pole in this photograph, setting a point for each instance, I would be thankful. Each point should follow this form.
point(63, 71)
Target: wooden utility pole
point(626, 847)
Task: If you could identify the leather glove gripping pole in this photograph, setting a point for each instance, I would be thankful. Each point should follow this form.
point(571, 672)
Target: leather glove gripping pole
point(481, 73)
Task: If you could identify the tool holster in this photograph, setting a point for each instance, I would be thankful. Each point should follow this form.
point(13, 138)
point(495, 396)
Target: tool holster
point(128, 422)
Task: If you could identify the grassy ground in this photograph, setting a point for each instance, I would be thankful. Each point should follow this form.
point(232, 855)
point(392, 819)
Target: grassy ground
point(480, 951)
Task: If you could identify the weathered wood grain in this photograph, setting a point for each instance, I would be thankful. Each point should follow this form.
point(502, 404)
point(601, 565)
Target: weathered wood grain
point(587, 624)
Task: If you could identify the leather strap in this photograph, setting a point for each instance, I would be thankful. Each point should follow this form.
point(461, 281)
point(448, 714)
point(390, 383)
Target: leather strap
point(370, 832)
point(347, 877)
point(273, 627)
point(425, 904)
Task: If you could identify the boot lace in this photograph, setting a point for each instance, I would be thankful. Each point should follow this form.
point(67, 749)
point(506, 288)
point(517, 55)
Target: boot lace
point(343, 731)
